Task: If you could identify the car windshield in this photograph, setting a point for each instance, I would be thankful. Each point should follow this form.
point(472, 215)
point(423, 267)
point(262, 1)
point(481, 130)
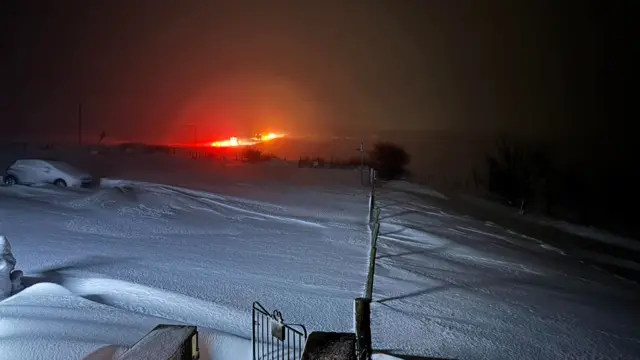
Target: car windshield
point(63, 166)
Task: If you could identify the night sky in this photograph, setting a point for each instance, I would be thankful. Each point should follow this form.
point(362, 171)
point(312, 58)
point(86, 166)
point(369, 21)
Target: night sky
point(143, 70)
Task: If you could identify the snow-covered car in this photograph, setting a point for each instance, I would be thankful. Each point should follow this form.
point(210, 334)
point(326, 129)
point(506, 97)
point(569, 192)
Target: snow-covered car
point(35, 171)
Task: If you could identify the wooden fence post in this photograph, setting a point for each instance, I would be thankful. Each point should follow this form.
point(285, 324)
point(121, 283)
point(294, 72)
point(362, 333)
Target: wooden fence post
point(363, 328)
point(372, 194)
point(372, 255)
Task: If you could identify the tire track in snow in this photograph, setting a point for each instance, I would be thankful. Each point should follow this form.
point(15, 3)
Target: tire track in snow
point(124, 195)
point(234, 206)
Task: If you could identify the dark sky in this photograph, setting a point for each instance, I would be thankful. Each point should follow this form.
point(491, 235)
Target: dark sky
point(145, 69)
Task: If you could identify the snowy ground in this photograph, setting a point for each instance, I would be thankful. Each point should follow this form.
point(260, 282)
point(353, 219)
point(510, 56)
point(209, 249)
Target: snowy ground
point(606, 251)
point(109, 264)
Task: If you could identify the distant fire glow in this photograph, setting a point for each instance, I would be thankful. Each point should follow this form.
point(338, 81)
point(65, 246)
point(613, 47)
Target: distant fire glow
point(227, 143)
point(270, 136)
point(234, 141)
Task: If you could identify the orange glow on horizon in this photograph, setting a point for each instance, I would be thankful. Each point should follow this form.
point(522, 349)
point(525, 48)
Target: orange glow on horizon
point(234, 141)
point(270, 136)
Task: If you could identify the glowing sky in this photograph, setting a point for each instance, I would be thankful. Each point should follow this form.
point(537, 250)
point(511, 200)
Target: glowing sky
point(146, 69)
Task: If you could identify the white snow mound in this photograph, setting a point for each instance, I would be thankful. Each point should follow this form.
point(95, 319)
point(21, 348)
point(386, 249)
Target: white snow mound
point(400, 185)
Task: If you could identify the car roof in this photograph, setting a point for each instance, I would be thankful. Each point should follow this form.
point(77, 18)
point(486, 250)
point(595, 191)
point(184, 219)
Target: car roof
point(33, 161)
point(25, 161)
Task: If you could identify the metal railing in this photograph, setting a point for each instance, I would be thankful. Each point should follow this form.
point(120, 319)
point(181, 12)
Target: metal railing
point(272, 339)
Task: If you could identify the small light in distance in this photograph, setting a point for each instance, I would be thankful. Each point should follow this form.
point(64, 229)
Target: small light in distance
point(271, 136)
point(226, 143)
point(234, 141)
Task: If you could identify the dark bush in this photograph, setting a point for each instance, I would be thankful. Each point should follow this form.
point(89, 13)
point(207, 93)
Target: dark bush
point(389, 160)
point(316, 162)
point(153, 149)
point(251, 155)
point(525, 175)
point(349, 163)
point(508, 172)
point(268, 156)
point(590, 191)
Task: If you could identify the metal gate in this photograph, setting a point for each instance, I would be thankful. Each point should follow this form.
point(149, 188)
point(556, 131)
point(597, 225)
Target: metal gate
point(273, 339)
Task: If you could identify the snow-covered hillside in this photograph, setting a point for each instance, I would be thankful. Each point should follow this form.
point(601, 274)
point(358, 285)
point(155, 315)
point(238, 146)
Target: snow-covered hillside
point(199, 245)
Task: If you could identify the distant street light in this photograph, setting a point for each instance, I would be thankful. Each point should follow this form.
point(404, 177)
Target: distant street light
point(361, 149)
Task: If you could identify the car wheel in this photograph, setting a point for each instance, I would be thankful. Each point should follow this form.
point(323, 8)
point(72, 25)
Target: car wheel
point(10, 180)
point(60, 183)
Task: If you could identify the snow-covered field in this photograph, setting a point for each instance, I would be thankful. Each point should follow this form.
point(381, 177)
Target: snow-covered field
point(166, 240)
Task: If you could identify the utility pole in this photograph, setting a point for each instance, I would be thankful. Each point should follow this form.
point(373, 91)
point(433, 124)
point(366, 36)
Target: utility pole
point(361, 162)
point(80, 124)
